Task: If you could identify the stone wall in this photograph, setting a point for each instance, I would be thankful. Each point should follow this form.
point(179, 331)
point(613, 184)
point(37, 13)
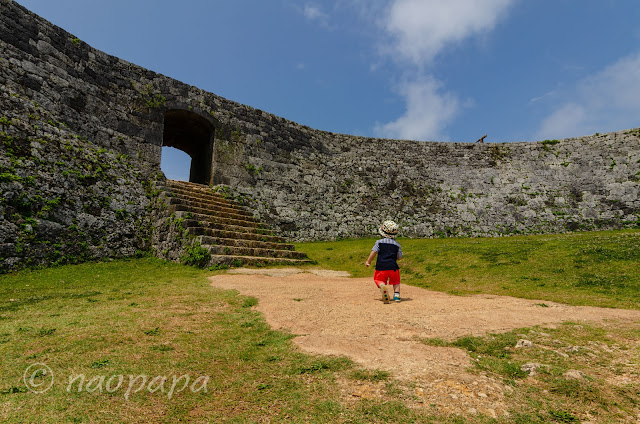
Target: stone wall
point(64, 199)
point(314, 185)
point(73, 187)
point(308, 184)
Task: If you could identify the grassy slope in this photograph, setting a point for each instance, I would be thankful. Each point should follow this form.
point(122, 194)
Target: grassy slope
point(599, 268)
point(148, 317)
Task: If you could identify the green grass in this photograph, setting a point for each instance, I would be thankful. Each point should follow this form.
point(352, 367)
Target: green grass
point(597, 268)
point(145, 317)
point(603, 355)
point(152, 318)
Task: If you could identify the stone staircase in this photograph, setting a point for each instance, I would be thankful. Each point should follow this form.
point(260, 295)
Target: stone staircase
point(231, 235)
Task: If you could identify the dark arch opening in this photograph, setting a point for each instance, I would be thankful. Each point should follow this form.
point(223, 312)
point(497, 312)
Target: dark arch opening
point(193, 134)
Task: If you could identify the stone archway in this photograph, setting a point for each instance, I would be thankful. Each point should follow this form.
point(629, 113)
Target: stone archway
point(193, 134)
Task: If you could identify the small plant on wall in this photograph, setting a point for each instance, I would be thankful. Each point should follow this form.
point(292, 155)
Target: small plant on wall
point(255, 170)
point(148, 97)
point(196, 255)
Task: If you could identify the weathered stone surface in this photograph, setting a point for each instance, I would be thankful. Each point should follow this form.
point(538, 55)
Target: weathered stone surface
point(64, 199)
point(532, 368)
point(523, 343)
point(198, 225)
point(67, 109)
point(574, 375)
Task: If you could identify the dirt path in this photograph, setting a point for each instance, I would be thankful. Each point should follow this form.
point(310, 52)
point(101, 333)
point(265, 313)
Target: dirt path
point(336, 315)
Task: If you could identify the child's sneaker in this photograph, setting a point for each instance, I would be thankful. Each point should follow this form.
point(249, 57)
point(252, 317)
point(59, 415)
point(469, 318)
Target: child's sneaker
point(396, 297)
point(385, 293)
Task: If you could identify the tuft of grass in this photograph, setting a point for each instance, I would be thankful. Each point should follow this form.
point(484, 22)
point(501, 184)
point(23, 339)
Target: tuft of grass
point(196, 255)
point(370, 375)
point(435, 341)
point(46, 331)
point(13, 390)
point(100, 364)
point(583, 391)
point(249, 302)
point(163, 348)
point(495, 345)
point(563, 417)
point(324, 364)
point(507, 369)
point(153, 332)
point(492, 353)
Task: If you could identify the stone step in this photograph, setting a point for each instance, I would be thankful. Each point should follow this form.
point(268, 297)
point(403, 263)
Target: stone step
point(186, 205)
point(205, 215)
point(197, 190)
point(230, 233)
point(208, 243)
point(213, 225)
point(198, 193)
point(205, 202)
point(226, 233)
point(233, 260)
point(240, 242)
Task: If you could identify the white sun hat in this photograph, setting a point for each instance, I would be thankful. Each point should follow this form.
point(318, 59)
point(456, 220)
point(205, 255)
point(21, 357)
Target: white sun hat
point(388, 229)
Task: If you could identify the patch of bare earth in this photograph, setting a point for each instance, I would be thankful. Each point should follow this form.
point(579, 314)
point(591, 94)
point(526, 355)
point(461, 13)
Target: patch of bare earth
point(335, 315)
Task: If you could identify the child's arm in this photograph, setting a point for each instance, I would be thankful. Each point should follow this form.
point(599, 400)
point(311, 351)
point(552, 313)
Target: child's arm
point(370, 258)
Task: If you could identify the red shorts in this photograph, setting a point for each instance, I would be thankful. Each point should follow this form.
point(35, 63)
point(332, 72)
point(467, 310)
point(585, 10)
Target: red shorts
point(387, 277)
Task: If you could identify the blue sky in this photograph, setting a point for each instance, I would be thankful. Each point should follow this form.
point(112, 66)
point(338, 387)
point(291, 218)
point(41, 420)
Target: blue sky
point(436, 70)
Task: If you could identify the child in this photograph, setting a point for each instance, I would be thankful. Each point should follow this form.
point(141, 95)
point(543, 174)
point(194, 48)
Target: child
point(387, 269)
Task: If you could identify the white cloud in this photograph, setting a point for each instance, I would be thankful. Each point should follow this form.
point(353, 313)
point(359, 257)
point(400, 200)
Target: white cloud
point(420, 29)
point(416, 31)
point(314, 13)
point(567, 120)
point(543, 96)
point(429, 110)
point(606, 101)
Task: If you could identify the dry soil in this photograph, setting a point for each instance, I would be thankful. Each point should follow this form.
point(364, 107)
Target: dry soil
point(332, 314)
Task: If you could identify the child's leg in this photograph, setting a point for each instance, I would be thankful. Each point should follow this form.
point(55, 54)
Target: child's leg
point(394, 280)
point(381, 280)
